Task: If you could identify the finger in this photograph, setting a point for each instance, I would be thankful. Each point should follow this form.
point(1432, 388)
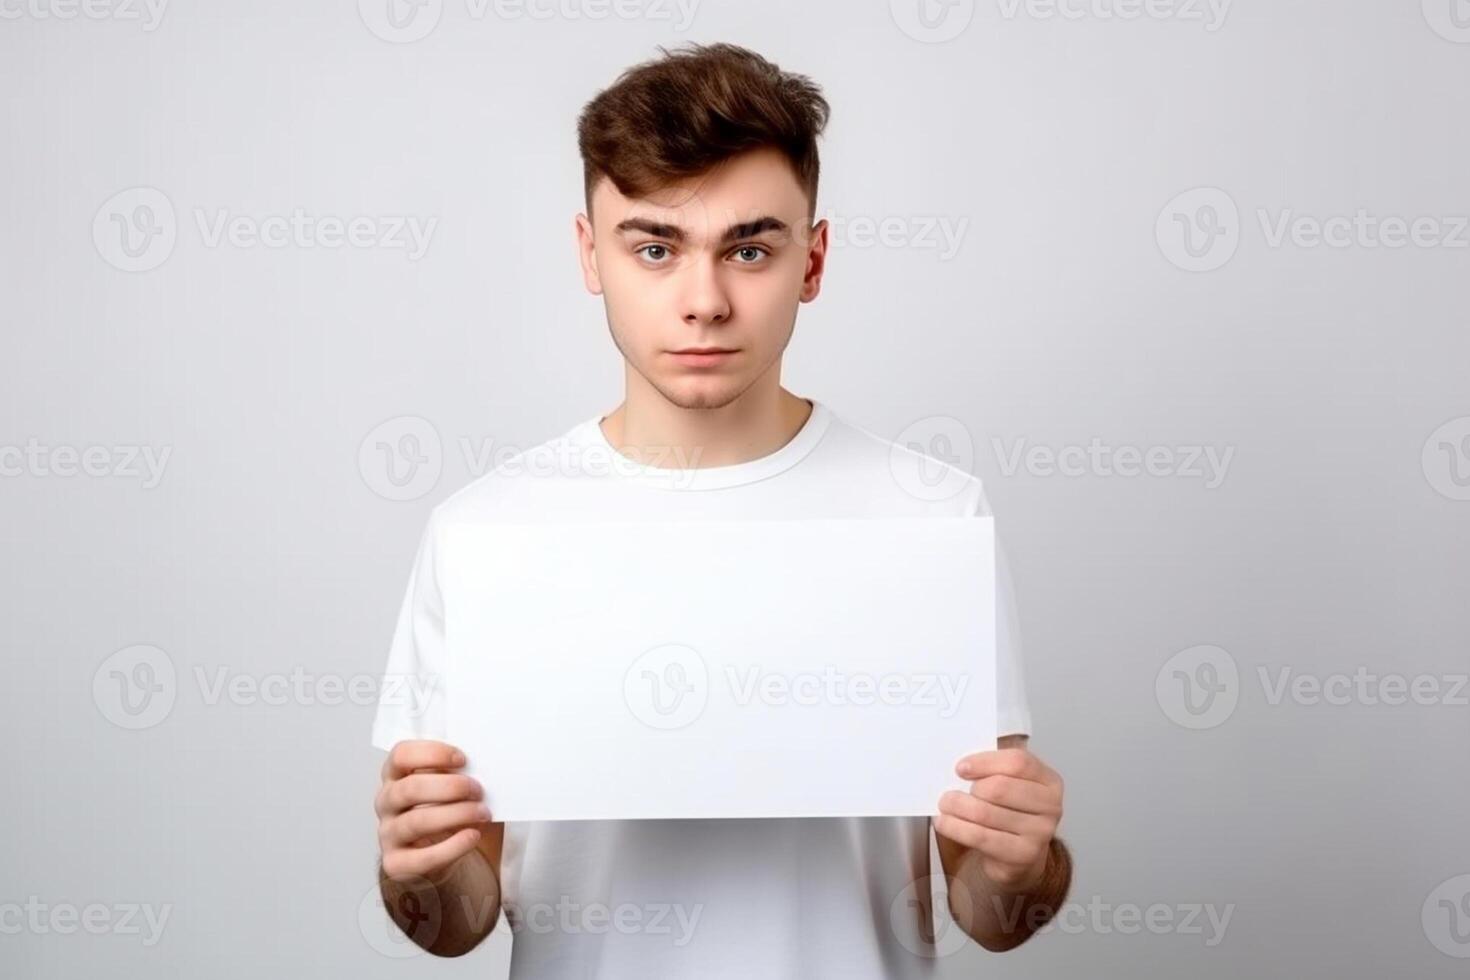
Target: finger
point(426, 787)
point(988, 814)
point(1018, 794)
point(427, 821)
point(999, 845)
point(1004, 762)
point(423, 861)
point(411, 754)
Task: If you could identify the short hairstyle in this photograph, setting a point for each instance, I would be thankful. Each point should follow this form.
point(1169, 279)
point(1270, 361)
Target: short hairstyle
point(680, 115)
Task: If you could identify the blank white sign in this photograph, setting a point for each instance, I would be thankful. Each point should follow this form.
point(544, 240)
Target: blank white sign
point(783, 668)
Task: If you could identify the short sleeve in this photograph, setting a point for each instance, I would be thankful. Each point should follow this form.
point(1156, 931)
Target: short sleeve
point(411, 699)
point(1013, 711)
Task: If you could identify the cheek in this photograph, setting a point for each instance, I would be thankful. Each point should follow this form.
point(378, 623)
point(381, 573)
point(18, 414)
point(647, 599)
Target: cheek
point(770, 298)
point(631, 300)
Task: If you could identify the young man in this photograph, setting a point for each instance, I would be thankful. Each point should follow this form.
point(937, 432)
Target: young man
point(701, 176)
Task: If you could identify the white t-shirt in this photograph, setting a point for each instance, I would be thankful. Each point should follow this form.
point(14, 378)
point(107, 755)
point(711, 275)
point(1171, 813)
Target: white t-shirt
point(706, 899)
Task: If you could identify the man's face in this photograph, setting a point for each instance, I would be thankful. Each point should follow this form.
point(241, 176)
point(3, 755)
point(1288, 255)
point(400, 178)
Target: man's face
point(719, 261)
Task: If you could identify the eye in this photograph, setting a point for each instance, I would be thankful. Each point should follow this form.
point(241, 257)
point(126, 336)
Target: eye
point(750, 254)
point(654, 253)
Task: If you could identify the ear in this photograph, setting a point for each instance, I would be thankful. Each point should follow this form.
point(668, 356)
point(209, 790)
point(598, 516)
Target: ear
point(587, 254)
point(816, 261)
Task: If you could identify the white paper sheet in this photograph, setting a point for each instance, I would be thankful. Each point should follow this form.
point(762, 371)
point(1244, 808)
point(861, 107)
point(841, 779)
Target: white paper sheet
point(791, 668)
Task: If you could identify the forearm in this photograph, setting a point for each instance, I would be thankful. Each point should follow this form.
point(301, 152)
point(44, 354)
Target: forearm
point(449, 915)
point(997, 918)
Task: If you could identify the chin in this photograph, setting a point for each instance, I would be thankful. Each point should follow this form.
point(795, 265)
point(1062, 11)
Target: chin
point(702, 393)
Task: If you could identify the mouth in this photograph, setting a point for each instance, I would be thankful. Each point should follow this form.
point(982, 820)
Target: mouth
point(702, 356)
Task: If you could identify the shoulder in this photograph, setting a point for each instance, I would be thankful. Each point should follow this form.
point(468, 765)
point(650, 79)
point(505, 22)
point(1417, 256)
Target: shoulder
point(518, 480)
point(927, 461)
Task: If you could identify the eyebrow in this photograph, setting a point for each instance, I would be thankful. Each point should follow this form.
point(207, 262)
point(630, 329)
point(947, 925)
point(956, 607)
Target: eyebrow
point(674, 233)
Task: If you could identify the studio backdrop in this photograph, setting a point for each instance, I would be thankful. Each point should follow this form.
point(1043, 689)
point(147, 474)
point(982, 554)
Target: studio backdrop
point(1185, 282)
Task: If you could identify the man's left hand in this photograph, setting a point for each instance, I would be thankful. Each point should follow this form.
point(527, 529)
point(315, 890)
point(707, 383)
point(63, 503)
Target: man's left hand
point(1009, 816)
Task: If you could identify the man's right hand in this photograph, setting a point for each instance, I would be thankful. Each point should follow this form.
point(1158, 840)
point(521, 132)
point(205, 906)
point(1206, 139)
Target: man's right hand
point(429, 816)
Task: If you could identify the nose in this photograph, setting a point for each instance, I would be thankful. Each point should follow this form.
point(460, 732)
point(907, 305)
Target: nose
point(704, 299)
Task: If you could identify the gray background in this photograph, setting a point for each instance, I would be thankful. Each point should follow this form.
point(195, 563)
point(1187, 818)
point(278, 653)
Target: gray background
point(1335, 543)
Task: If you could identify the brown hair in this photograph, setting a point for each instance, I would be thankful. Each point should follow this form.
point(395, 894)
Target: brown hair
point(680, 115)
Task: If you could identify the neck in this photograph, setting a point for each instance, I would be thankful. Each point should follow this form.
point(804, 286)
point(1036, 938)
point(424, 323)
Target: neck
point(660, 433)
